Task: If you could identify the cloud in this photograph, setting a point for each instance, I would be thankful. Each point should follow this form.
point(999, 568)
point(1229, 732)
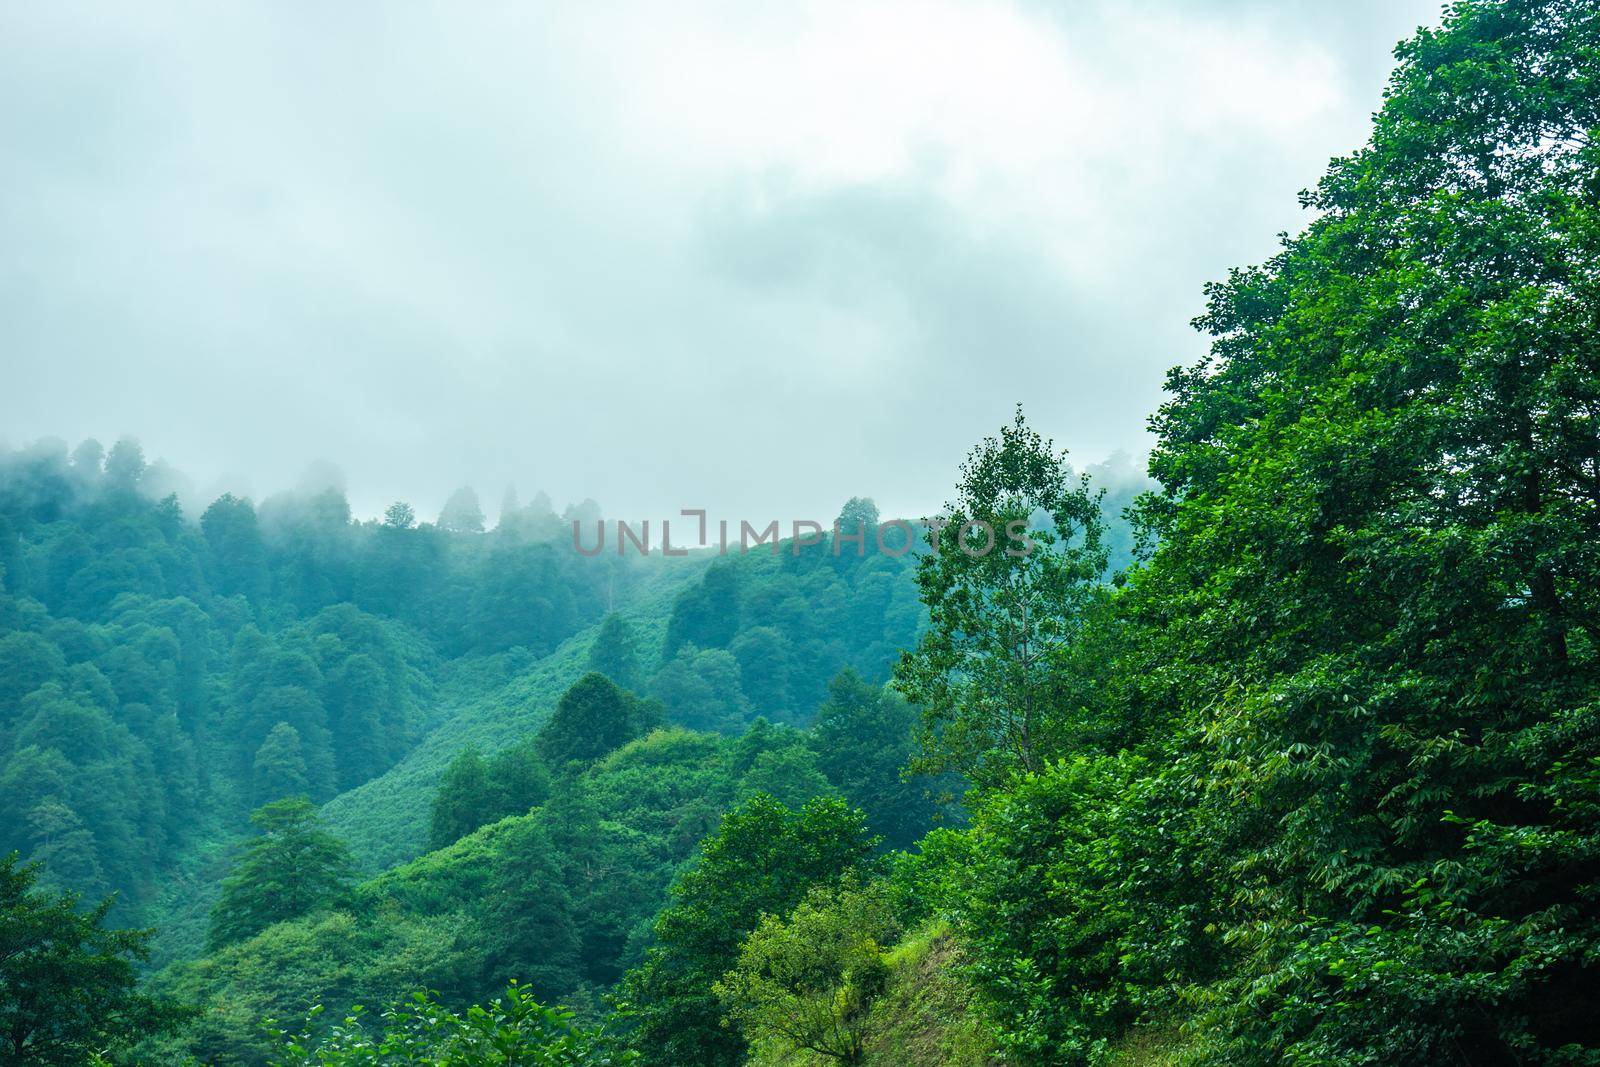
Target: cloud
point(756, 257)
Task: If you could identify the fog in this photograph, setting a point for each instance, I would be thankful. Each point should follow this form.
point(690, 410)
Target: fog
point(751, 258)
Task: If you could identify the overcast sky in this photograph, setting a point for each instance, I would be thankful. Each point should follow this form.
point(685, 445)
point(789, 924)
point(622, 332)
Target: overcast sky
point(754, 257)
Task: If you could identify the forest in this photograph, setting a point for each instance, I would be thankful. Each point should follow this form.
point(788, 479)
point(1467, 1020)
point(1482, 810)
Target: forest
point(1286, 751)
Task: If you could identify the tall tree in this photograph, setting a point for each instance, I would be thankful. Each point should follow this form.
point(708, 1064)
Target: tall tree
point(399, 516)
point(462, 512)
point(591, 719)
point(705, 614)
point(474, 792)
point(1377, 570)
point(614, 652)
point(68, 986)
point(806, 981)
point(1011, 567)
point(862, 739)
point(236, 560)
point(125, 464)
point(292, 867)
point(762, 860)
point(462, 801)
point(279, 769)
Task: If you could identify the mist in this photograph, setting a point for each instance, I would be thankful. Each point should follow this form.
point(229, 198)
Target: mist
point(753, 260)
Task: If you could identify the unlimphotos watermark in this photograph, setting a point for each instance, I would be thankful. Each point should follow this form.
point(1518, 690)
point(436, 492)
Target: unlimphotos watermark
point(975, 538)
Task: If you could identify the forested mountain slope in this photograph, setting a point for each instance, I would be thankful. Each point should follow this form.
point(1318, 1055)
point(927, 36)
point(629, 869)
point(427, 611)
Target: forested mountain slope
point(1316, 782)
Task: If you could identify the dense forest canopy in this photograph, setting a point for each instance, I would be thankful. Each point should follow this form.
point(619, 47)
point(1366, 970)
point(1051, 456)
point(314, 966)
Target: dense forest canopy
point(1288, 755)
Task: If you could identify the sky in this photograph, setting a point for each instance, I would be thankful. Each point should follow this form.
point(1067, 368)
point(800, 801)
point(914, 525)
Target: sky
point(755, 258)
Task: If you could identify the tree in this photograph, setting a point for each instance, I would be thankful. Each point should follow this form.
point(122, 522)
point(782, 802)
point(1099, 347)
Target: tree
point(762, 860)
point(462, 513)
point(68, 985)
point(519, 777)
point(235, 557)
point(293, 867)
point(87, 460)
point(1078, 893)
point(1002, 614)
point(299, 707)
point(279, 769)
point(807, 980)
point(1369, 624)
point(788, 774)
point(125, 464)
point(462, 801)
point(64, 847)
point(591, 719)
point(614, 654)
point(399, 516)
point(512, 1029)
point(705, 614)
point(510, 504)
point(27, 661)
point(766, 661)
point(529, 927)
point(858, 519)
point(361, 725)
point(474, 792)
point(862, 740)
point(702, 690)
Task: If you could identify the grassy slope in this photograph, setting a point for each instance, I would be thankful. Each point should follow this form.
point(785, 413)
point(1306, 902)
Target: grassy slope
point(924, 1018)
point(386, 820)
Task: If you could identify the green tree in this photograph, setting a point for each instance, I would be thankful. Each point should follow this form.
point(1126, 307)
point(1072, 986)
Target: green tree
point(518, 778)
point(125, 464)
point(279, 769)
point(862, 739)
point(300, 707)
point(399, 516)
point(762, 860)
point(463, 800)
point(512, 1029)
point(808, 979)
point(788, 774)
point(462, 513)
point(1373, 600)
point(529, 928)
point(27, 661)
point(236, 561)
point(359, 726)
point(592, 718)
point(988, 672)
point(474, 792)
point(707, 613)
point(703, 690)
point(766, 662)
point(68, 986)
point(857, 526)
point(293, 867)
point(614, 653)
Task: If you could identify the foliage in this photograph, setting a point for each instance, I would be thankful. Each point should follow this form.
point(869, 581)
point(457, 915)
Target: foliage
point(1075, 895)
point(809, 979)
point(292, 867)
point(68, 987)
point(614, 653)
point(593, 718)
point(474, 792)
point(1002, 611)
point(762, 860)
point(1377, 568)
point(863, 741)
point(512, 1029)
